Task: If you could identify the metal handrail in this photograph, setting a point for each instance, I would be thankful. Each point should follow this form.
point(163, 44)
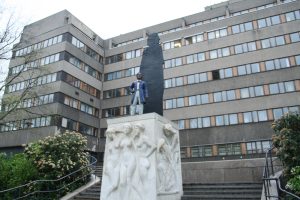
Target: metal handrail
point(16, 190)
point(267, 179)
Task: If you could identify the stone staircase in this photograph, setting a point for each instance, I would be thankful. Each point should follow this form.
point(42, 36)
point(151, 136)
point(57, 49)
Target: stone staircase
point(212, 191)
point(93, 192)
point(99, 170)
point(222, 191)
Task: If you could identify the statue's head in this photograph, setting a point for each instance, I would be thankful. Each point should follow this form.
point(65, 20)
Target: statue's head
point(139, 76)
point(153, 39)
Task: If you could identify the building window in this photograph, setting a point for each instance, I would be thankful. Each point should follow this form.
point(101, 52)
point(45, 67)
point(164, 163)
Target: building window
point(244, 48)
point(215, 75)
point(277, 64)
point(201, 151)
point(229, 149)
point(248, 69)
point(291, 16)
point(269, 21)
point(279, 112)
point(195, 58)
point(258, 146)
point(40, 45)
point(173, 63)
point(194, 39)
point(217, 96)
point(205, 122)
point(179, 81)
point(295, 37)
point(219, 120)
point(193, 123)
point(272, 42)
point(226, 73)
point(242, 27)
point(262, 115)
point(172, 44)
point(181, 124)
point(217, 34)
point(192, 100)
point(297, 60)
point(218, 53)
point(183, 153)
point(259, 90)
point(34, 64)
point(180, 102)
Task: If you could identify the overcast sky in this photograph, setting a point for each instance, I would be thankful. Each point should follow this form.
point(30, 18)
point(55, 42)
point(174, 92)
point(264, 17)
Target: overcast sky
point(109, 18)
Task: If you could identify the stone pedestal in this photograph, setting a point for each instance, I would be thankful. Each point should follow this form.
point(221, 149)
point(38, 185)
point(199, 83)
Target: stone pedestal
point(142, 159)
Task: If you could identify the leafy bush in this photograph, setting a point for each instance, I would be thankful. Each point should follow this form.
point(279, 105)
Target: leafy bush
point(287, 140)
point(16, 170)
point(57, 156)
point(49, 159)
point(294, 182)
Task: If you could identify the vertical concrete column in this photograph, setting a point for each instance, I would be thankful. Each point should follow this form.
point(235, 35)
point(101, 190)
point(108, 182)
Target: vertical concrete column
point(142, 159)
point(110, 44)
point(227, 12)
point(145, 34)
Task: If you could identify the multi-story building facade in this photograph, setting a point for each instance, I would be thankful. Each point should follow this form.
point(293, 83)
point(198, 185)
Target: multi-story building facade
point(229, 72)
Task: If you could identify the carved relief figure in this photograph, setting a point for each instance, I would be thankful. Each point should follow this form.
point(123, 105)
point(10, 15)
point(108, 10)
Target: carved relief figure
point(128, 165)
point(173, 141)
point(166, 173)
point(145, 149)
point(112, 167)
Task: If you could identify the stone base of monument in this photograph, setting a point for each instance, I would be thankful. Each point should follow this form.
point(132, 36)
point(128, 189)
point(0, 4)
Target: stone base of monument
point(142, 159)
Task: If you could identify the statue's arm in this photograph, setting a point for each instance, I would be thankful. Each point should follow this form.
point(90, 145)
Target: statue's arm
point(146, 90)
point(131, 87)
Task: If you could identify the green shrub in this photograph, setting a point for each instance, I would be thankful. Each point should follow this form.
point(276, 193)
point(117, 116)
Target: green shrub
point(49, 159)
point(294, 183)
point(16, 170)
point(57, 156)
point(287, 140)
point(4, 171)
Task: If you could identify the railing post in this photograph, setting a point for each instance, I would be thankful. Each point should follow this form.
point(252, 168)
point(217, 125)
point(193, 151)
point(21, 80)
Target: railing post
point(277, 188)
point(271, 158)
point(265, 188)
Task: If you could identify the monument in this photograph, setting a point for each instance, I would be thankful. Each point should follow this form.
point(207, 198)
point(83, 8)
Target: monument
point(142, 159)
point(152, 68)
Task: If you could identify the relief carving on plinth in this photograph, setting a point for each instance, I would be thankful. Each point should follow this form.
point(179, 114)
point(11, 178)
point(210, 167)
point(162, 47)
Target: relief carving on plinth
point(168, 159)
point(127, 164)
point(140, 164)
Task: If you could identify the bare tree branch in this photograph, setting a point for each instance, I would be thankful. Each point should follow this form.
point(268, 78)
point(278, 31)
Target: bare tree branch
point(12, 102)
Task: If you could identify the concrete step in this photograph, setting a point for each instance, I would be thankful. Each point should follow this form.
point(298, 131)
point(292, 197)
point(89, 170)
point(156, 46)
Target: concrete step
point(222, 191)
point(223, 197)
point(99, 171)
point(91, 193)
point(216, 191)
point(86, 198)
point(221, 187)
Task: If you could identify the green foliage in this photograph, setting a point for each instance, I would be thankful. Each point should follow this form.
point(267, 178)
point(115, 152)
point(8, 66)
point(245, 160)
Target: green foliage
point(287, 140)
point(294, 182)
point(49, 159)
point(4, 170)
point(58, 156)
point(15, 171)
